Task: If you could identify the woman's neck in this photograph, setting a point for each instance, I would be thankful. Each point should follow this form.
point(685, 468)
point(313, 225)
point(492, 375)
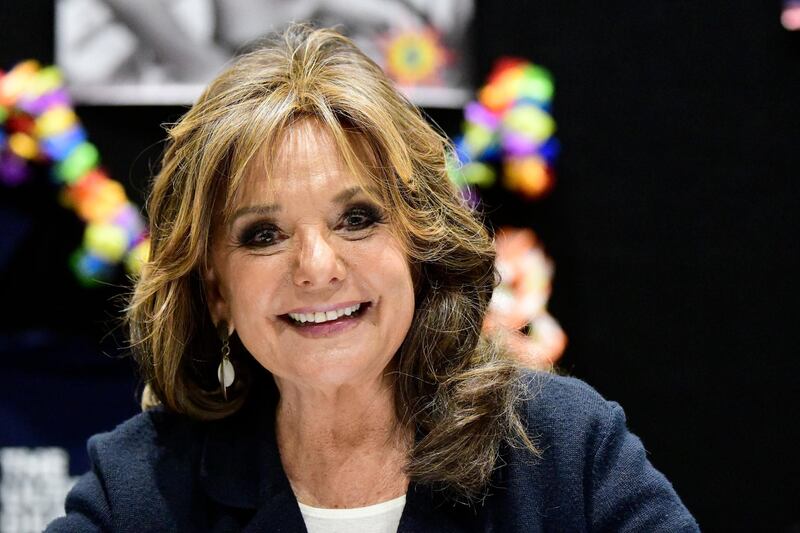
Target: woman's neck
point(342, 446)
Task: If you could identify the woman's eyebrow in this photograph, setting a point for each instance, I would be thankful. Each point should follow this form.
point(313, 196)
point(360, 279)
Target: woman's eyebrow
point(269, 209)
point(348, 194)
point(263, 210)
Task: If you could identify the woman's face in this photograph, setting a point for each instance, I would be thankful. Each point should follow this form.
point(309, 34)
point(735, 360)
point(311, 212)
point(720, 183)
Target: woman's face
point(308, 273)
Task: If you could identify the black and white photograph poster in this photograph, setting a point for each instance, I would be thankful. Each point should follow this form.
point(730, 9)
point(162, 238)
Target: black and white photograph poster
point(137, 52)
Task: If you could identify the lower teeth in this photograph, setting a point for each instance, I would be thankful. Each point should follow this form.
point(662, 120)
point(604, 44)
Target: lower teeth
point(326, 322)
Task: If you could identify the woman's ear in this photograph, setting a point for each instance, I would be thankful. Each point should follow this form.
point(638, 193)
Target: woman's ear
point(215, 296)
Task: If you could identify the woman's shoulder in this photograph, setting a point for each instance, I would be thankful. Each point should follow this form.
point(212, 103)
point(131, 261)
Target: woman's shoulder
point(553, 398)
point(588, 457)
point(133, 459)
point(153, 471)
point(140, 473)
point(568, 421)
point(146, 434)
point(162, 471)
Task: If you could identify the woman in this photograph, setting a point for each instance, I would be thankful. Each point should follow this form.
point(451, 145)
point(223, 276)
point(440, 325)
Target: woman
point(309, 329)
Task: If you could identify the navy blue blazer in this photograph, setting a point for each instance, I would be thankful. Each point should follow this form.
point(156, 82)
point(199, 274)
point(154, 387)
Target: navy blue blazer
point(164, 472)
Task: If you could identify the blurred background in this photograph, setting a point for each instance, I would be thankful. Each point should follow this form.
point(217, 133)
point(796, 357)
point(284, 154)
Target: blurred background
point(665, 214)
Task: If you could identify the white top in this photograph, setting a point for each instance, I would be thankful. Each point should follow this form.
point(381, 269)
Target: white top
point(382, 517)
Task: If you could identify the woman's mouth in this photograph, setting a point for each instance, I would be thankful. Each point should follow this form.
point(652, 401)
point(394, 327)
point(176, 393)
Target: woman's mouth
point(324, 323)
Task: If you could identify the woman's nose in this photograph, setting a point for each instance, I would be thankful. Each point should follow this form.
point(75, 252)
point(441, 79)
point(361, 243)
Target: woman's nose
point(318, 262)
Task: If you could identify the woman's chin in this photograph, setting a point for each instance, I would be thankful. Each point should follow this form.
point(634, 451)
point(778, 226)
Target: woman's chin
point(335, 375)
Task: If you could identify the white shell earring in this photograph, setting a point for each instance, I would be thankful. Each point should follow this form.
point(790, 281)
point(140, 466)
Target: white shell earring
point(225, 371)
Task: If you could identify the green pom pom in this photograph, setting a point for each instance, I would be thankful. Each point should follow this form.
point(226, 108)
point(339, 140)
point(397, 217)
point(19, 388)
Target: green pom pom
point(106, 241)
point(80, 160)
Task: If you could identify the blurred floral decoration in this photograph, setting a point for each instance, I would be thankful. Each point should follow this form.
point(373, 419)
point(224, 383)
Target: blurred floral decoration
point(39, 127)
point(519, 303)
point(508, 131)
point(415, 56)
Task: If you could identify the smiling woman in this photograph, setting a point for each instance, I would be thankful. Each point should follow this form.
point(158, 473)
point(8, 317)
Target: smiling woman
point(307, 258)
point(309, 329)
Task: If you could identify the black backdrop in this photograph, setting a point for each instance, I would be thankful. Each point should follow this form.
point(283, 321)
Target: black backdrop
point(673, 226)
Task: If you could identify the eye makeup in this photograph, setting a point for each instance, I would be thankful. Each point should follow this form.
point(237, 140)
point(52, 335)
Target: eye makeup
point(356, 219)
point(258, 234)
point(362, 215)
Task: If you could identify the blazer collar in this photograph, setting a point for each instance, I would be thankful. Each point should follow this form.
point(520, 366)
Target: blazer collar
point(240, 467)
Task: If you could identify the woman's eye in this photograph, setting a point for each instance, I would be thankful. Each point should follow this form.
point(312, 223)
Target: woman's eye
point(361, 217)
point(259, 236)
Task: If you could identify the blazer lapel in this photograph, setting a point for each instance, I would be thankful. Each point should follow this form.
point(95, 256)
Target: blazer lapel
point(227, 468)
point(427, 510)
point(241, 468)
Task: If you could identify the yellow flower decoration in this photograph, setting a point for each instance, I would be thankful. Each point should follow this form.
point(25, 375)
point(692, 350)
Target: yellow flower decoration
point(414, 57)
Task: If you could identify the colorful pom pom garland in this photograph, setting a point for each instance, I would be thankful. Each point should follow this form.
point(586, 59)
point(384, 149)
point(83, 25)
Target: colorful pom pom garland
point(41, 128)
point(510, 124)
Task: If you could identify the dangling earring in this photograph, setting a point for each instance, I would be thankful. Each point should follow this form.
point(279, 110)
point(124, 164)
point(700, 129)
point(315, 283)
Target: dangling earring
point(225, 372)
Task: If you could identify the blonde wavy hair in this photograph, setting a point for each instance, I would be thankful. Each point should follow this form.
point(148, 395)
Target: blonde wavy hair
point(454, 387)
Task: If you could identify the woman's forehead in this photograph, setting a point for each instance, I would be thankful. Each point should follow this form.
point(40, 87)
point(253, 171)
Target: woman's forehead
point(307, 155)
point(306, 146)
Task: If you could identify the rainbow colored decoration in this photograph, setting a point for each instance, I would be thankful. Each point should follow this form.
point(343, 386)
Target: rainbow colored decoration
point(415, 57)
point(519, 304)
point(41, 128)
point(509, 124)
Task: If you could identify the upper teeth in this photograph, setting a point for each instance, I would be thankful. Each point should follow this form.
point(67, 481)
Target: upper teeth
point(324, 316)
